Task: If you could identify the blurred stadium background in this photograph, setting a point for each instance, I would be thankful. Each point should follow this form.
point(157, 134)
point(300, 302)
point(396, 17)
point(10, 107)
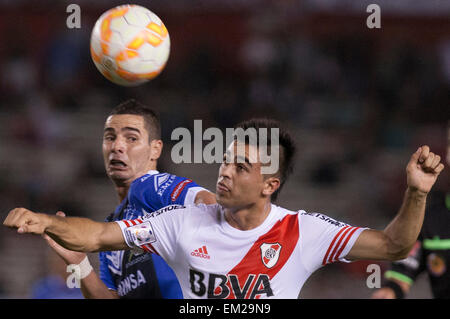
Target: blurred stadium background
point(359, 102)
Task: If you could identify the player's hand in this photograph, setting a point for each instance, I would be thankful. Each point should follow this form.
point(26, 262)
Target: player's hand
point(27, 221)
point(384, 293)
point(69, 256)
point(423, 170)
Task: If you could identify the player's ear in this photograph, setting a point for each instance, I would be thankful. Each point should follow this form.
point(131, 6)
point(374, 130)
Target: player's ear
point(156, 149)
point(271, 184)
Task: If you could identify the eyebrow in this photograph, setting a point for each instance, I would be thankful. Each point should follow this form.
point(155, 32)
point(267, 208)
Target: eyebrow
point(126, 128)
point(246, 160)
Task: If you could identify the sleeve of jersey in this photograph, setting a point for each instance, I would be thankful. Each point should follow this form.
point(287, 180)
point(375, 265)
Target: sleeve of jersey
point(325, 240)
point(182, 191)
point(104, 273)
point(156, 232)
point(166, 189)
point(407, 270)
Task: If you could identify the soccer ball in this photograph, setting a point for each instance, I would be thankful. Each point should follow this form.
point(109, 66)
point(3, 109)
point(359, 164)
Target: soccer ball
point(130, 45)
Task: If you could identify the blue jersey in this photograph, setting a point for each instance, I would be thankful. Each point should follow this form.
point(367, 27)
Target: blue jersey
point(134, 274)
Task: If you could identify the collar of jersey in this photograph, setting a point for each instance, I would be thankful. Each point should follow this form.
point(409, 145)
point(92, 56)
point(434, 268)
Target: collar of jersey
point(151, 172)
point(230, 229)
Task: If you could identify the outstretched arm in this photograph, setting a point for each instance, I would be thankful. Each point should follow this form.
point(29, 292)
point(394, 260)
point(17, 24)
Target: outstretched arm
point(397, 239)
point(92, 286)
point(74, 233)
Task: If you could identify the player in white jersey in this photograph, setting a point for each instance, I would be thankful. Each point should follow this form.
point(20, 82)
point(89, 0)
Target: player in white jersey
point(212, 259)
point(245, 246)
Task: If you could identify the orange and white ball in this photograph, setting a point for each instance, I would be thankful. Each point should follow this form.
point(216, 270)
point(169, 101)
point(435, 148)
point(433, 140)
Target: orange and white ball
point(130, 45)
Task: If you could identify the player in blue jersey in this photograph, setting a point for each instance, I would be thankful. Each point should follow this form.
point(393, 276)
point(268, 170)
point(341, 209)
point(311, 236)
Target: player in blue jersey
point(131, 147)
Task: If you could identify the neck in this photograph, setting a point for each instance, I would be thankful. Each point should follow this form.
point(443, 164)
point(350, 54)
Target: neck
point(249, 217)
point(122, 186)
point(122, 192)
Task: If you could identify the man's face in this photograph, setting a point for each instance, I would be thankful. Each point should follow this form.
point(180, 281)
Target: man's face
point(239, 184)
point(126, 148)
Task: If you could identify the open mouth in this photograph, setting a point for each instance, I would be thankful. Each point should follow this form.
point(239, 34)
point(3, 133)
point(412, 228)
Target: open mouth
point(117, 164)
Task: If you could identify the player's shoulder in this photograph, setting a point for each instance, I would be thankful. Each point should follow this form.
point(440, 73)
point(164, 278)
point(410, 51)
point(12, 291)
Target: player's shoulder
point(281, 212)
point(204, 214)
point(165, 211)
point(203, 210)
point(194, 210)
point(308, 217)
point(319, 218)
point(154, 180)
point(158, 183)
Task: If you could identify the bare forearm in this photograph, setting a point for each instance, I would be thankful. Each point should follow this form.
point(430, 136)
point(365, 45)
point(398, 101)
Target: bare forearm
point(397, 239)
point(74, 233)
point(404, 229)
point(93, 287)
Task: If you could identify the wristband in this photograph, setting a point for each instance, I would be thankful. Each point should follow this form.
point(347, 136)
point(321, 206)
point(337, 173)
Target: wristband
point(85, 268)
point(399, 293)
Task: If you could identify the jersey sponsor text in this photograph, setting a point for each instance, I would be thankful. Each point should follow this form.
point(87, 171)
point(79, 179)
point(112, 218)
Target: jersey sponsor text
point(130, 282)
point(217, 286)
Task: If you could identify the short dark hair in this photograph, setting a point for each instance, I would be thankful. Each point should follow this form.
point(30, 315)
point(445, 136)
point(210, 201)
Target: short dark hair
point(287, 147)
point(151, 119)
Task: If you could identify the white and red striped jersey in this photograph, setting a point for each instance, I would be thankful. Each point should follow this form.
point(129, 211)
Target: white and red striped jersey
point(212, 259)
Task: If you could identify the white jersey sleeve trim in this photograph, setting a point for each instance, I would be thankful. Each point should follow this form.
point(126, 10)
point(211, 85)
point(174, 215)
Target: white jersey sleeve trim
point(191, 194)
point(138, 233)
point(342, 244)
point(350, 244)
point(123, 228)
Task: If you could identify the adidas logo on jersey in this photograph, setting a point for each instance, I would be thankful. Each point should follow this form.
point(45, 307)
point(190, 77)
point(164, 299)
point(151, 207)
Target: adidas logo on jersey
point(201, 252)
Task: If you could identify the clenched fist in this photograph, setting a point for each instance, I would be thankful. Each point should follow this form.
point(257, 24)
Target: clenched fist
point(27, 221)
point(423, 169)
